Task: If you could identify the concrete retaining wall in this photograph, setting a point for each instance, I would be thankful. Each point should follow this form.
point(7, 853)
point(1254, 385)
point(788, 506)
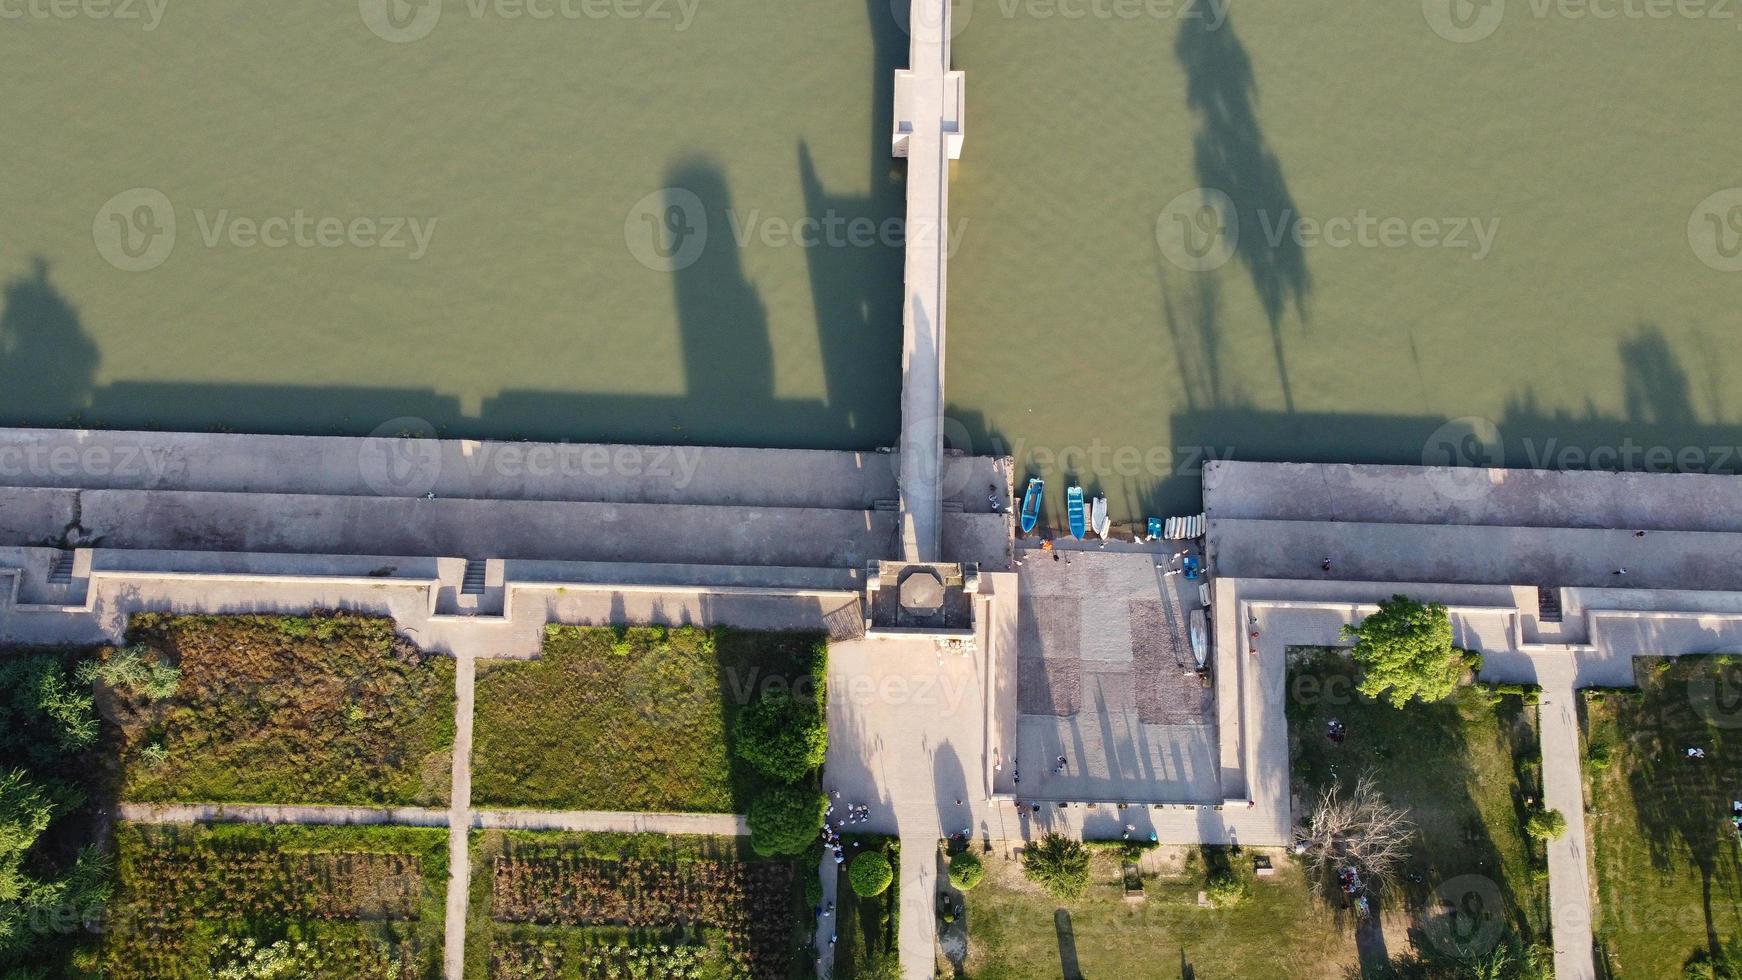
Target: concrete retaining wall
point(1442, 495)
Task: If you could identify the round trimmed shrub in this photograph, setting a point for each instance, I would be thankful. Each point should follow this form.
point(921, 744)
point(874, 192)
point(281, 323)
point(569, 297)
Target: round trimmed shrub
point(966, 871)
point(783, 737)
point(785, 820)
point(870, 874)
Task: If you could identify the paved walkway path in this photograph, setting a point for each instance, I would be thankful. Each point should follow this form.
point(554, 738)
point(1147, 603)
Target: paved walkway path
point(459, 816)
point(919, 916)
point(826, 924)
point(1563, 789)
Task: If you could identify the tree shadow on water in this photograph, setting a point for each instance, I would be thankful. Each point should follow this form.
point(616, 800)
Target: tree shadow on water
point(47, 362)
point(1656, 384)
point(1232, 156)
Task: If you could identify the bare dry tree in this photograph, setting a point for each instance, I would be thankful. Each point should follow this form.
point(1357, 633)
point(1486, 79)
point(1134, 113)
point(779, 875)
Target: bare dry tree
point(1361, 831)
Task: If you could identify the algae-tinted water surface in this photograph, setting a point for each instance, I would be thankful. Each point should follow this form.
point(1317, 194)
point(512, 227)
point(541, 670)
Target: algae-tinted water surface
point(547, 219)
point(1438, 218)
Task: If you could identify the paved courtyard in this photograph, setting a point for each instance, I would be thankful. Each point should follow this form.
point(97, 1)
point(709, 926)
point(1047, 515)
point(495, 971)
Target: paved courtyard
point(1106, 678)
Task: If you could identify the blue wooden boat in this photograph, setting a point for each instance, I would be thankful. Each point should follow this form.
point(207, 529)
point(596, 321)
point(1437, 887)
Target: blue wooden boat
point(1031, 504)
point(1079, 520)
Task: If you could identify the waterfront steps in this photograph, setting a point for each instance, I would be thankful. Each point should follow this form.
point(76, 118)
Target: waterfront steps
point(1467, 526)
point(1500, 497)
point(471, 469)
point(674, 507)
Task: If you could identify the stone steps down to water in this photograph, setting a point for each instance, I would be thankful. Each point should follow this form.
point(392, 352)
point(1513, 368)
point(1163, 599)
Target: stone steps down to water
point(164, 520)
point(1475, 526)
point(1499, 497)
point(453, 468)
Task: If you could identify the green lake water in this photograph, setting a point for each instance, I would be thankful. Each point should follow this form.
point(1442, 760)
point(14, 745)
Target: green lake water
point(533, 146)
point(534, 154)
point(1590, 325)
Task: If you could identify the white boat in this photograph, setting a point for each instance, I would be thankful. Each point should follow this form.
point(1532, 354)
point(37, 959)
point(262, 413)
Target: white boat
point(1098, 516)
point(1200, 638)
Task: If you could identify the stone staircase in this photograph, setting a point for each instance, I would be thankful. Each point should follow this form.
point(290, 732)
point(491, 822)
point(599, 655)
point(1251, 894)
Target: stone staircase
point(761, 517)
point(473, 582)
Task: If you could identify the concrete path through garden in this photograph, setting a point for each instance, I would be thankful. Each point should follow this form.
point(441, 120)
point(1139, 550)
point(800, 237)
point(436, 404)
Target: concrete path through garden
point(1563, 789)
point(459, 819)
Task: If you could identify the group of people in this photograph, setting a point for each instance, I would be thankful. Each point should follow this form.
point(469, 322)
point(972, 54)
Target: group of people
point(855, 813)
point(1061, 765)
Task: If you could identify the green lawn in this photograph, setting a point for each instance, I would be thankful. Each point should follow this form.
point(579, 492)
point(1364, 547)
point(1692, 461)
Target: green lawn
point(1017, 932)
point(1663, 853)
point(640, 721)
point(331, 709)
point(868, 930)
point(1464, 769)
point(367, 902)
point(569, 905)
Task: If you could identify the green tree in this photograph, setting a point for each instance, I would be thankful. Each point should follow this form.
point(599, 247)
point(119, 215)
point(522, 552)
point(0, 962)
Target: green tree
point(1546, 825)
point(782, 736)
point(870, 874)
point(1405, 651)
point(785, 819)
point(1059, 865)
point(966, 871)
